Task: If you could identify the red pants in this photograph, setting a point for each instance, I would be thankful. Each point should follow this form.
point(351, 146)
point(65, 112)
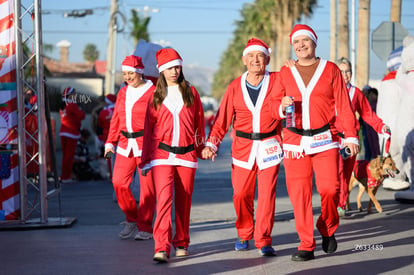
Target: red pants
point(345, 171)
point(68, 153)
point(244, 183)
point(299, 186)
point(166, 178)
point(124, 169)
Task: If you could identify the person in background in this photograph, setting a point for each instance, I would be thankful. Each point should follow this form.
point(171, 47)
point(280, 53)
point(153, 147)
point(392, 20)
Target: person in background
point(126, 132)
point(316, 89)
point(71, 116)
point(82, 168)
point(360, 104)
point(256, 149)
point(104, 122)
point(389, 102)
point(173, 139)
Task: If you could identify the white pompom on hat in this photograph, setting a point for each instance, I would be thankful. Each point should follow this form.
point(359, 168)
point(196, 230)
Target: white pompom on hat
point(255, 44)
point(167, 58)
point(133, 63)
point(301, 29)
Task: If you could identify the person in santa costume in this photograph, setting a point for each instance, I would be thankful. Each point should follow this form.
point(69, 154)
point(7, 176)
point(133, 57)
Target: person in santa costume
point(126, 132)
point(173, 139)
point(360, 104)
point(71, 116)
point(256, 148)
point(318, 92)
point(104, 122)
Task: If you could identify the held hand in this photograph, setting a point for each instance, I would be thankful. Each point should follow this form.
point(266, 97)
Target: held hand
point(353, 147)
point(208, 153)
point(108, 153)
point(286, 101)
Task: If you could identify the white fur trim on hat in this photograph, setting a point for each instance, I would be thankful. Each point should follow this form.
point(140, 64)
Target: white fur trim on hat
point(304, 32)
point(257, 48)
point(132, 69)
point(172, 63)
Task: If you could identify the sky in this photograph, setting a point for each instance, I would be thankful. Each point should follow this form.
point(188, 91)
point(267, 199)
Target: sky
point(200, 30)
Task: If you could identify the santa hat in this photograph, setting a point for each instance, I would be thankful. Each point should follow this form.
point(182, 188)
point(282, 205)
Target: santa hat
point(133, 63)
point(255, 44)
point(301, 29)
point(68, 91)
point(110, 99)
point(394, 59)
point(167, 58)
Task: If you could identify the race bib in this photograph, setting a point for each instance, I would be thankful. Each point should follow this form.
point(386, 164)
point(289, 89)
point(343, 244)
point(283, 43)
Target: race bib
point(321, 139)
point(270, 152)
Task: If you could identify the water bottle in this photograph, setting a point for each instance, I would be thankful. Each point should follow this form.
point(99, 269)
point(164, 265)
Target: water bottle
point(290, 115)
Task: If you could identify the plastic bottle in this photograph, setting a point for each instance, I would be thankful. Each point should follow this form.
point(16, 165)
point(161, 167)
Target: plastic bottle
point(290, 115)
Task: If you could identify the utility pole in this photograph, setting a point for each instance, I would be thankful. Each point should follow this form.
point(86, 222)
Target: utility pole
point(110, 53)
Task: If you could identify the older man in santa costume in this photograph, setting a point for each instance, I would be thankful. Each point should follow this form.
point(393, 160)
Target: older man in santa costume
point(256, 149)
point(319, 94)
point(126, 131)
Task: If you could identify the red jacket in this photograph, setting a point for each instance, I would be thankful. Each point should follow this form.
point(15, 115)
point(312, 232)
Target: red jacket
point(237, 108)
point(321, 103)
point(360, 104)
point(175, 125)
point(129, 116)
point(104, 121)
point(70, 118)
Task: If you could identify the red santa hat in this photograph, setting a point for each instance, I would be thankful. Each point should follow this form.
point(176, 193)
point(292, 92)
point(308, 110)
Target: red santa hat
point(133, 63)
point(167, 58)
point(110, 99)
point(68, 91)
point(301, 29)
point(255, 44)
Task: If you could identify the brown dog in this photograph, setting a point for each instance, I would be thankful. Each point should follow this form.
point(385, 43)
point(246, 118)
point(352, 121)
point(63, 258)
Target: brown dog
point(369, 176)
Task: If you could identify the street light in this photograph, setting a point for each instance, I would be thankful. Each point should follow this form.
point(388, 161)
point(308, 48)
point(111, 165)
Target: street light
point(146, 10)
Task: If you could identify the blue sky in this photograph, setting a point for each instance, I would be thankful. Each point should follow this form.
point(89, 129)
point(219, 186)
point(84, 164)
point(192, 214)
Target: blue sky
point(199, 29)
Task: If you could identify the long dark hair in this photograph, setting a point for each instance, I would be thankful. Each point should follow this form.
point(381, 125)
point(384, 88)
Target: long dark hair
point(183, 86)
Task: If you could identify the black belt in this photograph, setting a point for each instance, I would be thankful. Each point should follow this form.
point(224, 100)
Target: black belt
point(132, 134)
point(341, 135)
point(255, 136)
point(176, 149)
point(310, 132)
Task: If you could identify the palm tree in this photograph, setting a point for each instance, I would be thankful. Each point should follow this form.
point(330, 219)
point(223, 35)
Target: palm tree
point(269, 20)
point(90, 53)
point(343, 29)
point(362, 64)
point(333, 33)
point(395, 15)
point(139, 27)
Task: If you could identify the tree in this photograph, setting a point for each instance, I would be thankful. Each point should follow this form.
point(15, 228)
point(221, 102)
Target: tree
point(343, 29)
point(270, 20)
point(139, 27)
point(395, 15)
point(333, 33)
point(362, 65)
point(90, 53)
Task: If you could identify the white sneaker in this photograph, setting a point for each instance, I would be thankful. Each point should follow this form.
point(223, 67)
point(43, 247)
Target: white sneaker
point(129, 230)
point(395, 184)
point(143, 235)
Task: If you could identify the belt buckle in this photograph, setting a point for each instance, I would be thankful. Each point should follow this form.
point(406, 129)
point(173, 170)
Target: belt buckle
point(307, 132)
point(255, 136)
